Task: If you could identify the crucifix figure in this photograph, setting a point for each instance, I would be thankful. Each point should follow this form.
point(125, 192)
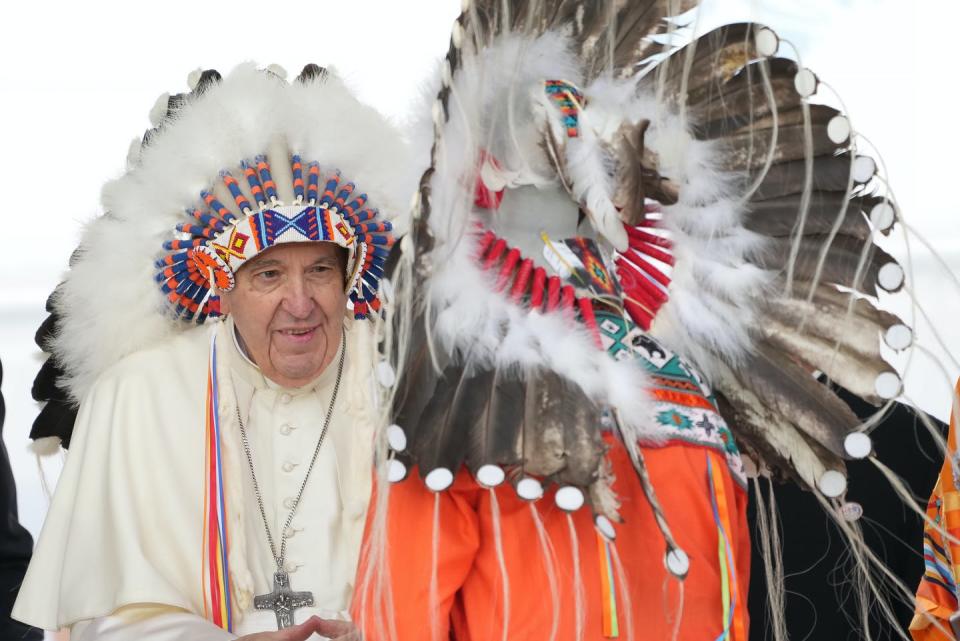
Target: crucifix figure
point(283, 601)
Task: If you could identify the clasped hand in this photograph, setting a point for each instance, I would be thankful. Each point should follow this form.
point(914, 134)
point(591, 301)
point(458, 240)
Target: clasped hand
point(330, 628)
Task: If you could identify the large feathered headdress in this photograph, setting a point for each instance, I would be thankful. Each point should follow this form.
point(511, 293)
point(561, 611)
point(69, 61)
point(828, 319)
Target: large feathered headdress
point(236, 166)
point(733, 220)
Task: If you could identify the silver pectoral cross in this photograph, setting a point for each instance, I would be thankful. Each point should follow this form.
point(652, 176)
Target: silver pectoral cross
point(283, 601)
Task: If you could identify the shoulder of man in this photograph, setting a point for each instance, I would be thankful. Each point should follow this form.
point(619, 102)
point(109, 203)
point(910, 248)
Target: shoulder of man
point(184, 356)
point(153, 394)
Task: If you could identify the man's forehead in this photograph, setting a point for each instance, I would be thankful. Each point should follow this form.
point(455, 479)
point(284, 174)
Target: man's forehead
point(309, 252)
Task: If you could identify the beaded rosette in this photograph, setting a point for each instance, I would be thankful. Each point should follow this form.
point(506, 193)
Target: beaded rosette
point(216, 241)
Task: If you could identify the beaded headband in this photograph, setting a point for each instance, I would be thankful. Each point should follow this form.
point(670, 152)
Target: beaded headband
point(216, 242)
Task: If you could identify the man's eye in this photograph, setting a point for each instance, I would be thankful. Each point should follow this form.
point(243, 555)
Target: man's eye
point(268, 274)
point(321, 268)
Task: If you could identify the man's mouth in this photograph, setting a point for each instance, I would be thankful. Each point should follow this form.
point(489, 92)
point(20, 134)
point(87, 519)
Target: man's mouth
point(299, 334)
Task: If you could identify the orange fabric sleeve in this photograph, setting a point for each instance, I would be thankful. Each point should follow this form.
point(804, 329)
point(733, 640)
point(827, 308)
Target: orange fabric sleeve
point(393, 599)
point(936, 599)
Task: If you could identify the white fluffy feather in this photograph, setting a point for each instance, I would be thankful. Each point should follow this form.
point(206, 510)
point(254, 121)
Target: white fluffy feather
point(497, 92)
point(712, 295)
point(713, 289)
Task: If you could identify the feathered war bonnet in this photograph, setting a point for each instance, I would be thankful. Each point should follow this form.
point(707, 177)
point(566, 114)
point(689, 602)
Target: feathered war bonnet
point(238, 165)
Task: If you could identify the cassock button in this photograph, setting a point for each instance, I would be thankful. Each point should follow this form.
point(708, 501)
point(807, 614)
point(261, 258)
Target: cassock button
point(286, 428)
point(289, 531)
point(288, 502)
point(291, 566)
point(288, 466)
point(285, 398)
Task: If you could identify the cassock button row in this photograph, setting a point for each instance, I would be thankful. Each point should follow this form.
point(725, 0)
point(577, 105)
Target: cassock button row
point(288, 502)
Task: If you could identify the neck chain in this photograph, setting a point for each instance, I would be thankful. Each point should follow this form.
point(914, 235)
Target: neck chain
point(279, 558)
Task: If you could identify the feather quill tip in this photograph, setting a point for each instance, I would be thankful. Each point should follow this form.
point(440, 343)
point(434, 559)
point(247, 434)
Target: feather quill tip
point(193, 78)
point(159, 110)
point(46, 446)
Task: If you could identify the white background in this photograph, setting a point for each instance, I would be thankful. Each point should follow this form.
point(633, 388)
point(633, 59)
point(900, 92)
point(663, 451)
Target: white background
point(78, 79)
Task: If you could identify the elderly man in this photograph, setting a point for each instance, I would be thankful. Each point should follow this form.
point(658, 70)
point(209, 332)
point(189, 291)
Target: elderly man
point(218, 476)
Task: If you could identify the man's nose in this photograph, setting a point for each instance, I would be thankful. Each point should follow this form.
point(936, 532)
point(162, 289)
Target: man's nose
point(297, 299)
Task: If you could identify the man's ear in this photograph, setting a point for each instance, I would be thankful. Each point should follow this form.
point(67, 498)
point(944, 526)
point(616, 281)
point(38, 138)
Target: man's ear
point(224, 302)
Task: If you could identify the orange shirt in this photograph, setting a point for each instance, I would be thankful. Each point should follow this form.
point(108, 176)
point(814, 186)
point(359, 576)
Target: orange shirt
point(473, 602)
point(937, 592)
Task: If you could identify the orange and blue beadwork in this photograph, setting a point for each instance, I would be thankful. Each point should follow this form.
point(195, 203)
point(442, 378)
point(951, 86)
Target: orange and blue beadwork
point(213, 242)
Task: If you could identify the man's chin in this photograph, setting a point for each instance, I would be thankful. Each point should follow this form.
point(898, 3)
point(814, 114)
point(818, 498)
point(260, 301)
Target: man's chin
point(297, 370)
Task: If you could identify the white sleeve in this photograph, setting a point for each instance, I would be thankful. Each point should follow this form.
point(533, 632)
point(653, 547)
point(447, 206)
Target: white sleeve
point(172, 626)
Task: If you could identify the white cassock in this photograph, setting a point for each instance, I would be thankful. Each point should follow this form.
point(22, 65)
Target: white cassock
point(120, 554)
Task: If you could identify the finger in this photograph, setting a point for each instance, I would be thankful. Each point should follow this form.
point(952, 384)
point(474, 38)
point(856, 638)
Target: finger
point(300, 632)
point(334, 628)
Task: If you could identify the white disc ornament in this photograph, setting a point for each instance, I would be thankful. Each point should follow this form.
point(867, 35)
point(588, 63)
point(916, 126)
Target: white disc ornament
point(838, 129)
point(857, 445)
point(396, 438)
point(898, 337)
point(569, 498)
point(490, 475)
point(890, 277)
point(677, 562)
point(864, 167)
point(832, 484)
point(883, 215)
point(529, 489)
point(888, 385)
point(766, 42)
point(439, 479)
point(396, 471)
point(805, 82)
point(606, 527)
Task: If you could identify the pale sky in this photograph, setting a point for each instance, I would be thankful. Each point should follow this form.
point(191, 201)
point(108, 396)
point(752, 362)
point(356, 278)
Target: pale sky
point(78, 79)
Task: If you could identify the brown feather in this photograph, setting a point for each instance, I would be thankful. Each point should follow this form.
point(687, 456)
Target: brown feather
point(779, 217)
point(781, 447)
point(561, 431)
point(750, 150)
point(784, 179)
point(841, 265)
point(717, 57)
point(851, 369)
point(791, 392)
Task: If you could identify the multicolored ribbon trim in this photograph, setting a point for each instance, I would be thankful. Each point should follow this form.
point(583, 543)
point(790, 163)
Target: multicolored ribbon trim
point(734, 624)
point(216, 570)
point(608, 589)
